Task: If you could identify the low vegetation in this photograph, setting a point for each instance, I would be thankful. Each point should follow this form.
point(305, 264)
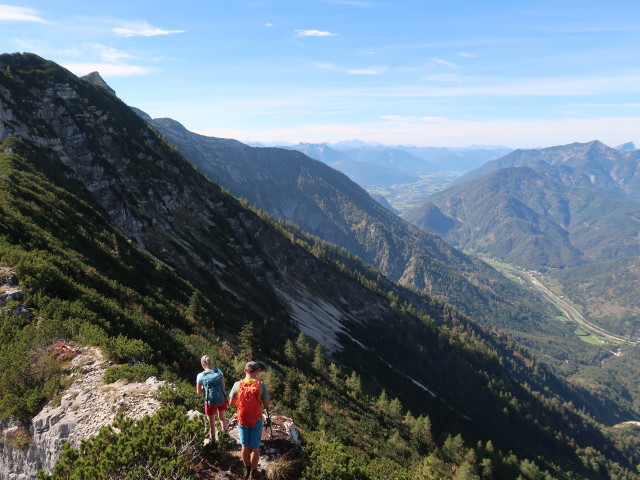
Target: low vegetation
point(494, 411)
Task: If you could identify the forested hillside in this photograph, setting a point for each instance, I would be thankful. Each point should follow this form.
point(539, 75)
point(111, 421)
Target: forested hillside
point(117, 241)
point(325, 203)
point(570, 213)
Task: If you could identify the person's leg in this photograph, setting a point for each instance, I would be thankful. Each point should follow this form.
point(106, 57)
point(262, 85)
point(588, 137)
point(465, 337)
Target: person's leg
point(246, 455)
point(246, 460)
point(256, 436)
point(255, 457)
point(245, 451)
point(212, 425)
point(210, 412)
point(223, 420)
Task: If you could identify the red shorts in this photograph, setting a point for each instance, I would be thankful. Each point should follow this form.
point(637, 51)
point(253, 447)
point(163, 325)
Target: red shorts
point(212, 409)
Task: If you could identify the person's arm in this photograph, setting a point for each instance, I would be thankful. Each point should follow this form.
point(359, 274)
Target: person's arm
point(264, 395)
point(232, 395)
point(199, 387)
point(223, 383)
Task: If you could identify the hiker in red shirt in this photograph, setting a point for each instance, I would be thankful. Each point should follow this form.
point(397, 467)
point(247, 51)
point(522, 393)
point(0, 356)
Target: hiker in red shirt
point(250, 395)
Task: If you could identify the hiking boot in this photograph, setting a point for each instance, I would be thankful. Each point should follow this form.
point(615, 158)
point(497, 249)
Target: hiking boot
point(255, 474)
point(248, 473)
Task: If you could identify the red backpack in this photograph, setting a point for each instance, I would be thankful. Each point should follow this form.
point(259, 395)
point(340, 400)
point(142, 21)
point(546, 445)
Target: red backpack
point(249, 406)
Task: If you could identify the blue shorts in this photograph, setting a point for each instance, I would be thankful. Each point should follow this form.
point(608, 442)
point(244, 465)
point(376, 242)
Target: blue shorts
point(250, 436)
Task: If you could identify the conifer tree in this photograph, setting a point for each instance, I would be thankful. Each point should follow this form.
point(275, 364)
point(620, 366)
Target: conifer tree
point(319, 363)
point(247, 343)
point(354, 385)
point(306, 405)
point(334, 375)
point(302, 345)
point(421, 434)
point(290, 352)
point(195, 310)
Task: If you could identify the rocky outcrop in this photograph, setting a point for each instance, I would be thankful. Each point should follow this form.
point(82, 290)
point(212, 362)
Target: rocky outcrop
point(9, 288)
point(95, 79)
point(77, 414)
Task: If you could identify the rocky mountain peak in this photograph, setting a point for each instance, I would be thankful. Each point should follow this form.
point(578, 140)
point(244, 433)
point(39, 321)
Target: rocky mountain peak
point(627, 147)
point(94, 78)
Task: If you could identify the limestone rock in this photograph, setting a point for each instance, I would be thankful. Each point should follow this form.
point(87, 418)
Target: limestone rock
point(85, 407)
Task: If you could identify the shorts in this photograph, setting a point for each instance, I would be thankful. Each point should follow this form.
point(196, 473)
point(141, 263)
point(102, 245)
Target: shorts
point(212, 409)
point(250, 436)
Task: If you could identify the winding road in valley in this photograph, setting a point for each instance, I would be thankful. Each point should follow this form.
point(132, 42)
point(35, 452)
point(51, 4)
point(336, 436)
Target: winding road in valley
point(568, 310)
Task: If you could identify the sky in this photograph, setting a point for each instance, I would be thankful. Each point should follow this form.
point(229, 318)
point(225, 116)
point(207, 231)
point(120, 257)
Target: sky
point(413, 72)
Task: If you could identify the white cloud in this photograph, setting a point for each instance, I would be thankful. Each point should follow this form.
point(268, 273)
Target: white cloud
point(324, 65)
point(44, 49)
point(413, 119)
point(445, 77)
point(107, 69)
point(606, 105)
point(349, 71)
point(465, 55)
point(440, 61)
point(110, 54)
point(514, 133)
point(366, 71)
point(142, 29)
point(268, 24)
point(353, 3)
point(20, 14)
point(314, 33)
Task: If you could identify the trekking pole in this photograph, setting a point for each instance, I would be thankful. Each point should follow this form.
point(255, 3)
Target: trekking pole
point(267, 423)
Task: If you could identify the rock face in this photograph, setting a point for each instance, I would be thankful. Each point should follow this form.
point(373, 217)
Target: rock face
point(9, 287)
point(95, 79)
point(85, 407)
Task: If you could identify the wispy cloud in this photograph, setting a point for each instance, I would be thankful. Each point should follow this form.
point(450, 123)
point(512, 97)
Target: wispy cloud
point(110, 54)
point(12, 13)
point(445, 77)
point(352, 3)
point(413, 119)
point(314, 33)
point(366, 71)
point(350, 71)
point(515, 133)
point(142, 29)
point(465, 55)
point(606, 105)
point(44, 49)
point(440, 61)
point(107, 69)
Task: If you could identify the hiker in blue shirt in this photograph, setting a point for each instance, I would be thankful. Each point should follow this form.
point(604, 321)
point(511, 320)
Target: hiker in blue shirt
point(211, 382)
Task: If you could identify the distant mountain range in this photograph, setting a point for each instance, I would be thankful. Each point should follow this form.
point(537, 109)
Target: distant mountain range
point(370, 164)
point(592, 165)
point(552, 209)
point(119, 241)
point(326, 203)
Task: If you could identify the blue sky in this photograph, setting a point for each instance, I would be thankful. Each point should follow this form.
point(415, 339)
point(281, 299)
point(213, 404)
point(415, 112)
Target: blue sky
point(421, 72)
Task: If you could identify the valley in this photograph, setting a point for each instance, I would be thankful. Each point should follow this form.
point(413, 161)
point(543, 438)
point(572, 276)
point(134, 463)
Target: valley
point(156, 245)
point(405, 196)
point(536, 280)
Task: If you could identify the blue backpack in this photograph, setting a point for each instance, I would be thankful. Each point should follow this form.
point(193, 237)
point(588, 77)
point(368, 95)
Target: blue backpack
point(212, 383)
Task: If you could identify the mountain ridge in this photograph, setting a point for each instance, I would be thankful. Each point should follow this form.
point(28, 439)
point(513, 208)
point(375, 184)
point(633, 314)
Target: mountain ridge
point(591, 165)
point(90, 182)
point(326, 203)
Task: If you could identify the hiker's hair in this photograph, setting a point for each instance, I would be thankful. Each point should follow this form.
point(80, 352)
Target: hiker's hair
point(206, 361)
